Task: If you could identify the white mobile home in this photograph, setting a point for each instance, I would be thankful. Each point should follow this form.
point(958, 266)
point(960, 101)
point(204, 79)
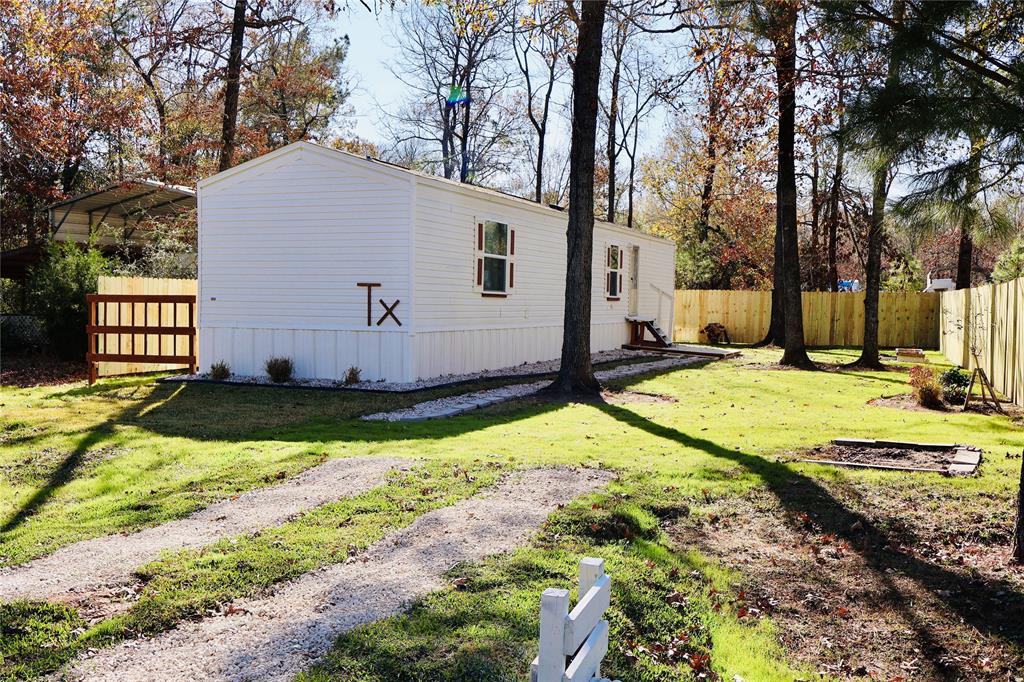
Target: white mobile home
point(339, 261)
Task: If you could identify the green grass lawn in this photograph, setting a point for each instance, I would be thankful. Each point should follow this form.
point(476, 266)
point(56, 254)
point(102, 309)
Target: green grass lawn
point(80, 462)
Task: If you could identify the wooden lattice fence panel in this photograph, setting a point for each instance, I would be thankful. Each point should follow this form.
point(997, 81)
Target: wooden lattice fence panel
point(121, 313)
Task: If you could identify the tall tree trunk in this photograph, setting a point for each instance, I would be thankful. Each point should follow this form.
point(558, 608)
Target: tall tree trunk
point(707, 191)
point(814, 276)
point(575, 375)
point(464, 164)
point(538, 193)
point(832, 278)
point(777, 323)
point(879, 193)
point(229, 121)
point(965, 252)
point(448, 143)
point(632, 188)
point(795, 353)
point(1017, 549)
point(873, 266)
point(542, 132)
point(964, 259)
point(611, 150)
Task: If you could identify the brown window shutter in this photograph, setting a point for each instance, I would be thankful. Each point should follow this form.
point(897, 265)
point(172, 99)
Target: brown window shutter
point(608, 257)
point(479, 272)
point(512, 244)
point(511, 275)
point(479, 236)
point(620, 282)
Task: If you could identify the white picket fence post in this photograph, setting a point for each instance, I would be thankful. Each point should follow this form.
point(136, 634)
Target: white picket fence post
point(573, 644)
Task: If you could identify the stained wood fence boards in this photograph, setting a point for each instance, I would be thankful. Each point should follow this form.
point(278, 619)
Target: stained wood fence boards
point(121, 314)
point(990, 318)
point(830, 319)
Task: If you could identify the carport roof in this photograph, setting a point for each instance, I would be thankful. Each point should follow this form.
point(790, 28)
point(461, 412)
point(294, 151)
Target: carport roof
point(126, 199)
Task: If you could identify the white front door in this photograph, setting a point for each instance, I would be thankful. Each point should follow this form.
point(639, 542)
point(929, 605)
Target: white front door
point(634, 279)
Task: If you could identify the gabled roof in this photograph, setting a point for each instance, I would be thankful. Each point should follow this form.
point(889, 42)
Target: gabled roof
point(399, 170)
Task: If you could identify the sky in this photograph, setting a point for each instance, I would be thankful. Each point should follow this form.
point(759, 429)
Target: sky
point(371, 47)
point(376, 91)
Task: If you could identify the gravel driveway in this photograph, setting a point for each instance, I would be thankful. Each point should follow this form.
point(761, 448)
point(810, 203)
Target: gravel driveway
point(107, 562)
point(275, 636)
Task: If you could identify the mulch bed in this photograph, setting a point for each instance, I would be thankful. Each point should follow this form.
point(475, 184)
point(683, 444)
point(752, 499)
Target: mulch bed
point(902, 401)
point(26, 371)
point(906, 401)
point(873, 582)
point(885, 456)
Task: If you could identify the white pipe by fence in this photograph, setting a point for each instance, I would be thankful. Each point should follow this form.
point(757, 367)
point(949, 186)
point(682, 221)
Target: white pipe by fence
point(573, 644)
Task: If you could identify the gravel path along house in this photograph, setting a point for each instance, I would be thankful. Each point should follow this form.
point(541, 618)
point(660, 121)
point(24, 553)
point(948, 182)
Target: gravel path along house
point(101, 563)
point(275, 636)
point(450, 406)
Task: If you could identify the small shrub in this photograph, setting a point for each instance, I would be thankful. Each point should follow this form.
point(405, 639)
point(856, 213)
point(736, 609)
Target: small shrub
point(57, 289)
point(220, 371)
point(353, 376)
point(279, 369)
point(926, 387)
point(954, 382)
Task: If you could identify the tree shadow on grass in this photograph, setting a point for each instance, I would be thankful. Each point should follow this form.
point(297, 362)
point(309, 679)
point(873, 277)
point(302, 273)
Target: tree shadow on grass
point(69, 467)
point(993, 607)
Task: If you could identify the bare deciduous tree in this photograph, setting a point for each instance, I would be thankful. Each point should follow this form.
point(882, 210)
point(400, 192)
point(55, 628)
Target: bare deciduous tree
point(542, 47)
point(452, 63)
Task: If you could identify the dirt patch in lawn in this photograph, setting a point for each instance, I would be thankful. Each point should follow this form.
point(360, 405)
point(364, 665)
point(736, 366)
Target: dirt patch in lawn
point(901, 401)
point(906, 401)
point(95, 606)
point(910, 458)
point(821, 366)
point(887, 584)
point(26, 371)
point(626, 397)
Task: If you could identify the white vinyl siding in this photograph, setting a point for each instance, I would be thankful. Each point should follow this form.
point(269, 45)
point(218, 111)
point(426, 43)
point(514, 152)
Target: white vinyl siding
point(283, 245)
point(285, 239)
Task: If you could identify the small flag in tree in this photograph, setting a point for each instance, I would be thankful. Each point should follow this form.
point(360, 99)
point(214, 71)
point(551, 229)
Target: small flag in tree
point(457, 96)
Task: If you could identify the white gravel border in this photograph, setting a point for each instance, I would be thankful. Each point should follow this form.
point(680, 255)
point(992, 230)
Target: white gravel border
point(458, 404)
point(100, 564)
point(275, 636)
point(524, 370)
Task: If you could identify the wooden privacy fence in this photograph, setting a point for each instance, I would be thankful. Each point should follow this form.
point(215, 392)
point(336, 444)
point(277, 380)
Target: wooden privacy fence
point(581, 635)
point(139, 324)
point(830, 318)
point(987, 321)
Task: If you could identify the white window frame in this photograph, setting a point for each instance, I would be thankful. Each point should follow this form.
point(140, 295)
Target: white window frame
point(610, 271)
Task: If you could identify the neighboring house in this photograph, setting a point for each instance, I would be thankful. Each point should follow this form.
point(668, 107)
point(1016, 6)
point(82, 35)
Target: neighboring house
point(339, 261)
point(939, 284)
point(117, 217)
